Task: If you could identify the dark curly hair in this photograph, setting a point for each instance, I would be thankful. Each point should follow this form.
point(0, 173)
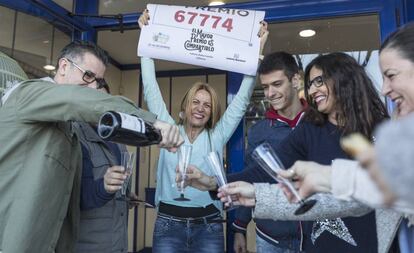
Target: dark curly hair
point(357, 101)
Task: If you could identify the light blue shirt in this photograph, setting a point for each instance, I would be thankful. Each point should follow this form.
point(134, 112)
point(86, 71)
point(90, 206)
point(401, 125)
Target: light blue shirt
point(166, 187)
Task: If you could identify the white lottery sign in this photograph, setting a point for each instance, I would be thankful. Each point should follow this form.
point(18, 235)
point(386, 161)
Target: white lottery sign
point(212, 37)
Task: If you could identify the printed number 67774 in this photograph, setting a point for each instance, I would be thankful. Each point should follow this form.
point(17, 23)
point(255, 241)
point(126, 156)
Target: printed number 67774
point(182, 16)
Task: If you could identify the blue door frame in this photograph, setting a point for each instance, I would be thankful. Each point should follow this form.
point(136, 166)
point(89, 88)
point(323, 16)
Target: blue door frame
point(392, 13)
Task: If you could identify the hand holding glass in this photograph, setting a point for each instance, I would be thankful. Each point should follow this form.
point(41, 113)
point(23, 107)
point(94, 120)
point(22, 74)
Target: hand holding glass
point(184, 155)
point(268, 160)
point(127, 161)
point(213, 160)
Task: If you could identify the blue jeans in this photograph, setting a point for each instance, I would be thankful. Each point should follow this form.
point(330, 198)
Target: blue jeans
point(263, 246)
point(177, 236)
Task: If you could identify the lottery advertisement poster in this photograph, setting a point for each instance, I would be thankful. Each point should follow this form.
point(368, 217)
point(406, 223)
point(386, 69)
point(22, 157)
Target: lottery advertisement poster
point(212, 37)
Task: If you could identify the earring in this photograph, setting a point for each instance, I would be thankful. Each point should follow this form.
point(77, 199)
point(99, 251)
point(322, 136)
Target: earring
point(181, 115)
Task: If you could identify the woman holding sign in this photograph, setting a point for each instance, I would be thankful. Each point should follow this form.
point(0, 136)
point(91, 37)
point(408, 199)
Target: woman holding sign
point(195, 225)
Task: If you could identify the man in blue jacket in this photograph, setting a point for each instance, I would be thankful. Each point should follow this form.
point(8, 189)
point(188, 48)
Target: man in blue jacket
point(280, 79)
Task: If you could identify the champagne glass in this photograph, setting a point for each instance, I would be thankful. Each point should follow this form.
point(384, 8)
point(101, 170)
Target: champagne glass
point(184, 155)
point(270, 162)
point(215, 164)
point(127, 161)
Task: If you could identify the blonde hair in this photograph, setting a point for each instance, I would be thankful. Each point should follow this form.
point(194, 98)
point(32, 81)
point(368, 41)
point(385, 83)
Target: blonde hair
point(188, 98)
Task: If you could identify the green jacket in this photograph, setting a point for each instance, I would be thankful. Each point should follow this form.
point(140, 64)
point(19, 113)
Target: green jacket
point(40, 161)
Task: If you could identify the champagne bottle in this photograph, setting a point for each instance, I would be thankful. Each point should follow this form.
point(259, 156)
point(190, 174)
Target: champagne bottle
point(127, 129)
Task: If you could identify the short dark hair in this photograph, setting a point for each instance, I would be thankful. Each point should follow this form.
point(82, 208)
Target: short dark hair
point(279, 61)
point(77, 49)
point(358, 104)
point(402, 40)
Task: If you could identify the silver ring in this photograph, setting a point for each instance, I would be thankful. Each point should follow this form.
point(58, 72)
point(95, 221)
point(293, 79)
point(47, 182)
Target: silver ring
point(292, 172)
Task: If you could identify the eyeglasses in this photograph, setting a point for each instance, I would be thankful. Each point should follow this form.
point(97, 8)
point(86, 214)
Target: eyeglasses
point(317, 82)
point(89, 76)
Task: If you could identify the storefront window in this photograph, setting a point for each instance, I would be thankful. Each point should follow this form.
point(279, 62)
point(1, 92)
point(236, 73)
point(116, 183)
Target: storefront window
point(32, 41)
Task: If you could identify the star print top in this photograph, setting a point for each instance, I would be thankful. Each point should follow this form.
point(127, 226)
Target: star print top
point(309, 142)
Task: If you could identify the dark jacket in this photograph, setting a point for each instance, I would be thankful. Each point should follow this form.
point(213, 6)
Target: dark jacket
point(104, 220)
point(321, 144)
point(280, 233)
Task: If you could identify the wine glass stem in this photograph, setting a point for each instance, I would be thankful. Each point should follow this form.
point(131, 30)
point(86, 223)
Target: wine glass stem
point(182, 187)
